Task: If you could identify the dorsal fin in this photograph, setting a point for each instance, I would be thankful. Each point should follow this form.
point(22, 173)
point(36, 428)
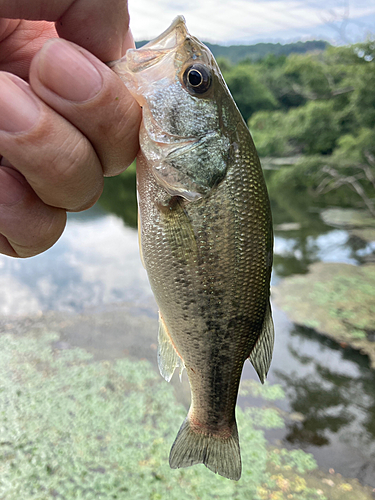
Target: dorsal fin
point(168, 359)
point(261, 355)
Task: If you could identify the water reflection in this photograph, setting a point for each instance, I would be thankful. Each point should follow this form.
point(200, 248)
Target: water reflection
point(119, 196)
point(95, 263)
point(295, 251)
point(334, 388)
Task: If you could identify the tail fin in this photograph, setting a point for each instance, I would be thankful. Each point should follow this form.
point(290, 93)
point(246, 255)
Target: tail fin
point(221, 455)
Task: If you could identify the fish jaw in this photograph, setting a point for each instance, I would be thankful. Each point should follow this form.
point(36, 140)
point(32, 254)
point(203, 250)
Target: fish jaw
point(136, 61)
point(171, 38)
point(186, 137)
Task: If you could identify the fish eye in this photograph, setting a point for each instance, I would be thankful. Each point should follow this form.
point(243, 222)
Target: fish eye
point(197, 79)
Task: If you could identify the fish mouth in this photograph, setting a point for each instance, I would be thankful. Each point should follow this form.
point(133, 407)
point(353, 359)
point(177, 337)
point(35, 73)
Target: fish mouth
point(141, 66)
point(162, 46)
point(137, 60)
point(171, 38)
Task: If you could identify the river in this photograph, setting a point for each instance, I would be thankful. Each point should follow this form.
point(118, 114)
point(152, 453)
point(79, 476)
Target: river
point(95, 269)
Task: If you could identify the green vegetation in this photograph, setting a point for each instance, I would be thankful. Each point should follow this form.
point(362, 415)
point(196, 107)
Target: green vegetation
point(76, 428)
point(237, 53)
point(320, 109)
point(119, 196)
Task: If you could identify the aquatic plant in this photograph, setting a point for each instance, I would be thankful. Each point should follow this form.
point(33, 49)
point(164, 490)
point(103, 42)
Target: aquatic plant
point(75, 428)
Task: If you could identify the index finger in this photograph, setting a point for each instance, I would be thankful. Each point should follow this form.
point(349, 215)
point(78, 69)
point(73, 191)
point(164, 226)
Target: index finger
point(101, 27)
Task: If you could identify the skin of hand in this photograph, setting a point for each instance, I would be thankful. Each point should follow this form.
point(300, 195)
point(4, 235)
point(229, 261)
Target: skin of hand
point(66, 119)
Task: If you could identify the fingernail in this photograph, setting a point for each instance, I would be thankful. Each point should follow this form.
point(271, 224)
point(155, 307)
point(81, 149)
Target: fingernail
point(12, 187)
point(67, 72)
point(18, 108)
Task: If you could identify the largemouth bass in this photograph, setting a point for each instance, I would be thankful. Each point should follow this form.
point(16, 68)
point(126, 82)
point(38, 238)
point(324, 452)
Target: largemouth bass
point(205, 235)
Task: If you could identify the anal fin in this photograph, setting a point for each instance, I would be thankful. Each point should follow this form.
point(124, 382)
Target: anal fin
point(168, 359)
point(261, 355)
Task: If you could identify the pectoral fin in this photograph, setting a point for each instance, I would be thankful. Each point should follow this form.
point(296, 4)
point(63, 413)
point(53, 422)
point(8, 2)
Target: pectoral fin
point(261, 355)
point(168, 359)
point(177, 183)
point(180, 232)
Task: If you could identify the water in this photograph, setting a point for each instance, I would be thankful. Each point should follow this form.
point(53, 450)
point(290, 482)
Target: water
point(94, 282)
point(334, 389)
point(94, 264)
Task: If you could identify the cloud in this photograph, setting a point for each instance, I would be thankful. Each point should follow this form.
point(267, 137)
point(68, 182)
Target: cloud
point(243, 21)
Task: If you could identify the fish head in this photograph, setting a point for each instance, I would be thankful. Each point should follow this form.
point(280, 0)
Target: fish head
point(189, 117)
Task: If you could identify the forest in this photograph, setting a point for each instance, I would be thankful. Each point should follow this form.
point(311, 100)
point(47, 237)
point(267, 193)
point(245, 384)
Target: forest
point(312, 119)
point(237, 53)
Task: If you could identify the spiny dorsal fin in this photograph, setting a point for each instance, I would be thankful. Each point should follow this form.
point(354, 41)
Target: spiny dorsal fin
point(261, 355)
point(168, 359)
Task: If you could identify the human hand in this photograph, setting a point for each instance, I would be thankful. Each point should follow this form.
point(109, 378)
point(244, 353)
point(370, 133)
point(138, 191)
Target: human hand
point(72, 124)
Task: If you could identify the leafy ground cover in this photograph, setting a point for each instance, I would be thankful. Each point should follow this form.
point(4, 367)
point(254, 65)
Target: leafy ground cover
point(72, 427)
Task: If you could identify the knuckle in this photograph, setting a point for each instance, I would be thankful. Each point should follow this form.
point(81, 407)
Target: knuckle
point(67, 159)
point(121, 145)
point(47, 227)
point(75, 175)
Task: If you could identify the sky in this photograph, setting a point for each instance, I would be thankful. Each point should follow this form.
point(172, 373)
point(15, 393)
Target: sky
point(251, 21)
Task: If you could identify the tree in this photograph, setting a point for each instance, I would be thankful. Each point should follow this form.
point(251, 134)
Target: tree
point(269, 133)
point(313, 128)
point(248, 91)
point(364, 95)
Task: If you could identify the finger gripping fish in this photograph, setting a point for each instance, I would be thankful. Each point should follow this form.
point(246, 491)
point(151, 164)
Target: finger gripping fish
point(206, 237)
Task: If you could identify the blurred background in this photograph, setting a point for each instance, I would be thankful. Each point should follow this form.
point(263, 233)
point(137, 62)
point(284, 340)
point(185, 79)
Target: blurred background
point(84, 412)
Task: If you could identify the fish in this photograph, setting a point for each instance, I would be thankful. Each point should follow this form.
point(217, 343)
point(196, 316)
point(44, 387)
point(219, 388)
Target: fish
point(206, 239)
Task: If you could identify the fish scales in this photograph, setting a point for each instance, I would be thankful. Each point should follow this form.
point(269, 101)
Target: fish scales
point(206, 241)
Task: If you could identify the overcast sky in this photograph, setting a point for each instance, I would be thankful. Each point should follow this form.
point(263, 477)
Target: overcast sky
point(251, 21)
